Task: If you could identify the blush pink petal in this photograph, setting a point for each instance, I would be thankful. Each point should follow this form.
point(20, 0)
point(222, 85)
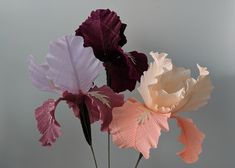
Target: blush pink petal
point(100, 102)
point(135, 126)
point(191, 137)
point(46, 123)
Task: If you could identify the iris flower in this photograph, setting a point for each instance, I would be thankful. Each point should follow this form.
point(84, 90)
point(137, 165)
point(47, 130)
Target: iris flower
point(70, 70)
point(166, 90)
point(104, 32)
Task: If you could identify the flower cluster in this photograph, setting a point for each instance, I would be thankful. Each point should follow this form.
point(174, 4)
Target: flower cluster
point(75, 61)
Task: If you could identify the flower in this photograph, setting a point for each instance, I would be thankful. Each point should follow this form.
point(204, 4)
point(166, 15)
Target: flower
point(166, 91)
point(70, 70)
point(104, 32)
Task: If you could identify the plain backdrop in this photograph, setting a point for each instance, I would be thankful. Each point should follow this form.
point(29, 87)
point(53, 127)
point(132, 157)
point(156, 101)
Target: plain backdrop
point(191, 31)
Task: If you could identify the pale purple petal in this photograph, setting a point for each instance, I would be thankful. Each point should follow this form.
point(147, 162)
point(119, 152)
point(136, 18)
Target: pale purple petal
point(71, 66)
point(38, 76)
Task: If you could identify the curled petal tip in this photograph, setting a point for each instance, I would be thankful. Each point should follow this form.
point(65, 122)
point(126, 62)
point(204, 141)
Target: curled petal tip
point(203, 70)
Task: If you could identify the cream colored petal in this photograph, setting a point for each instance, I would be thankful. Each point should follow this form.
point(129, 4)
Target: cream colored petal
point(160, 65)
point(163, 64)
point(173, 80)
point(164, 99)
point(198, 94)
point(202, 70)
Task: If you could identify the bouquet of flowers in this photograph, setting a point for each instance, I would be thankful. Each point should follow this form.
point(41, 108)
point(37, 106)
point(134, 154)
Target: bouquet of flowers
point(74, 62)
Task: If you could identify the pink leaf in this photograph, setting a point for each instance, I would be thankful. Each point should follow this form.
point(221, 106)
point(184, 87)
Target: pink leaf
point(71, 66)
point(46, 123)
point(100, 102)
point(192, 138)
point(135, 126)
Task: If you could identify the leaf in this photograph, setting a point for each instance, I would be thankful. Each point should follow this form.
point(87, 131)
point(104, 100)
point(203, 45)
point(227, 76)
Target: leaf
point(191, 137)
point(72, 67)
point(38, 76)
point(160, 65)
point(135, 126)
point(46, 123)
point(100, 102)
point(104, 32)
point(85, 122)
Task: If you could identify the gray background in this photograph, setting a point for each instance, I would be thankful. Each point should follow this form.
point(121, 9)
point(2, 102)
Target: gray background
point(191, 31)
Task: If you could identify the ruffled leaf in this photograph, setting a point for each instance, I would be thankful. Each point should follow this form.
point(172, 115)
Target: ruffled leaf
point(100, 102)
point(72, 67)
point(104, 32)
point(135, 126)
point(46, 123)
point(192, 138)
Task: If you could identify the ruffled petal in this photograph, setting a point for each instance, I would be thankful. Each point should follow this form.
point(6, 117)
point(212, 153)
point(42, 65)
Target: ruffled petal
point(46, 122)
point(135, 126)
point(160, 65)
point(72, 67)
point(127, 70)
point(100, 102)
point(192, 138)
point(198, 92)
point(39, 78)
point(104, 32)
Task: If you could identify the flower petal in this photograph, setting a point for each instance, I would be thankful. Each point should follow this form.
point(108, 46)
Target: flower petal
point(160, 65)
point(46, 122)
point(192, 138)
point(104, 32)
point(100, 102)
point(39, 78)
point(198, 92)
point(127, 70)
point(135, 126)
point(71, 66)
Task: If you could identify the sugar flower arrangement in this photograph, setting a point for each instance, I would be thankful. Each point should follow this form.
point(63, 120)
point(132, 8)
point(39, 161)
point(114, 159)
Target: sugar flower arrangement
point(75, 61)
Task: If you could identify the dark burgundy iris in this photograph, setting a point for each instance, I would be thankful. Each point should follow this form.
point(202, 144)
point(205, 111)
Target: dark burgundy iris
point(104, 32)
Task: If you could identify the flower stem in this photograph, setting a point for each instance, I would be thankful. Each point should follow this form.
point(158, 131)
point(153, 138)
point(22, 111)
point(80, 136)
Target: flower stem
point(93, 154)
point(138, 161)
point(109, 160)
point(108, 78)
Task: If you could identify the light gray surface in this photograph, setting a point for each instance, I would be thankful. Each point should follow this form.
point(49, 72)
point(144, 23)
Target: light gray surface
point(191, 31)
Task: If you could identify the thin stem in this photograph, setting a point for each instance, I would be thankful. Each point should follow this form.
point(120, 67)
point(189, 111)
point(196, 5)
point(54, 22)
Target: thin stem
point(138, 161)
point(93, 154)
point(109, 156)
point(109, 153)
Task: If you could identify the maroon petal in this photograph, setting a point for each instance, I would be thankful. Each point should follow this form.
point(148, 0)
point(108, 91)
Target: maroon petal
point(46, 122)
point(104, 32)
point(73, 100)
point(123, 40)
point(127, 70)
point(139, 63)
point(100, 102)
